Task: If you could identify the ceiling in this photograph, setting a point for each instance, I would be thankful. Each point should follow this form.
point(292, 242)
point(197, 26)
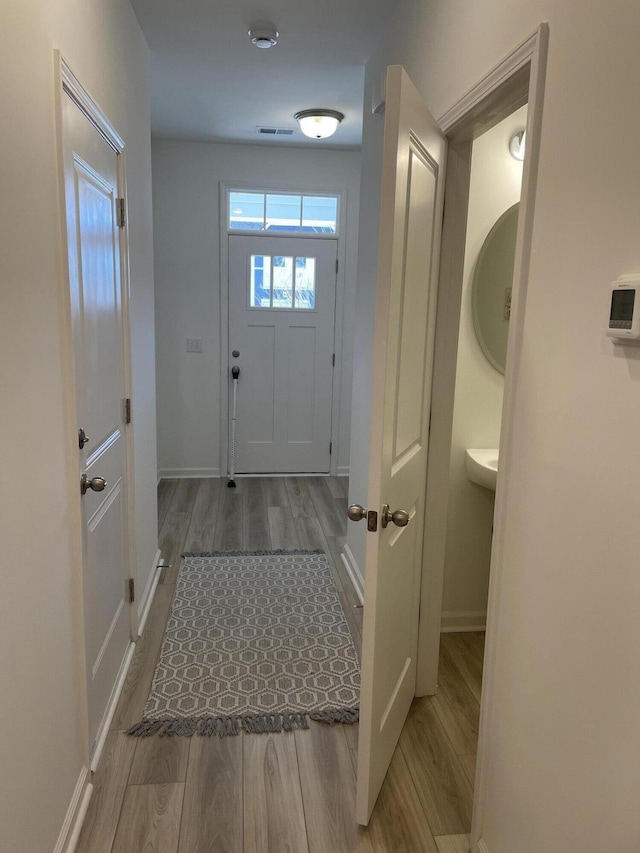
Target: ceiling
point(208, 82)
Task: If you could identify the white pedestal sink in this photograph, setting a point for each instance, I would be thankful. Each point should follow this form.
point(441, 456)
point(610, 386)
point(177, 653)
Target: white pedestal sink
point(482, 467)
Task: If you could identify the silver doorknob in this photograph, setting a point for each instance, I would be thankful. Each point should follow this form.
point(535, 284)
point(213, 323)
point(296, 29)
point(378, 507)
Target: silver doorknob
point(356, 512)
point(400, 517)
point(96, 484)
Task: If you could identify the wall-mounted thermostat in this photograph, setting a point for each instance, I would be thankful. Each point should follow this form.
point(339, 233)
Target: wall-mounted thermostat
point(624, 312)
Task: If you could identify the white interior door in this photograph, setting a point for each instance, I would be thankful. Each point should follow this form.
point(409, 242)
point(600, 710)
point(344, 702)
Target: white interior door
point(91, 184)
point(282, 294)
point(410, 224)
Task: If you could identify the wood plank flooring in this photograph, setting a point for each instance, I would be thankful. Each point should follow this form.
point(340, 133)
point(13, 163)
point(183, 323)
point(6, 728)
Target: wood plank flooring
point(285, 793)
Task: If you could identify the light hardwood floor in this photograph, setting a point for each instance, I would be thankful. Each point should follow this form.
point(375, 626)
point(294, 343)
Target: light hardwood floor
point(285, 793)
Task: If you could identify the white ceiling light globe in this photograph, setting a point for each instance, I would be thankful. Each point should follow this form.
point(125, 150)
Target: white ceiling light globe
point(517, 144)
point(318, 124)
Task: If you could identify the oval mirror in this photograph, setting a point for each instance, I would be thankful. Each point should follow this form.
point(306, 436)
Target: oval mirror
point(491, 288)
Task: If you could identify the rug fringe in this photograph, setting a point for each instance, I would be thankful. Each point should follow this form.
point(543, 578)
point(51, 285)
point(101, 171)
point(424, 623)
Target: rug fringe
point(263, 723)
point(347, 716)
point(220, 726)
point(278, 553)
point(251, 724)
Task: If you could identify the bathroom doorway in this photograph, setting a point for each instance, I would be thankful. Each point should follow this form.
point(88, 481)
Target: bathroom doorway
point(519, 80)
point(492, 219)
point(495, 181)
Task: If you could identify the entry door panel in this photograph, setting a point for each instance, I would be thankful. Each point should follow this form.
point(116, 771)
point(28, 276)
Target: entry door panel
point(281, 320)
point(410, 221)
point(91, 182)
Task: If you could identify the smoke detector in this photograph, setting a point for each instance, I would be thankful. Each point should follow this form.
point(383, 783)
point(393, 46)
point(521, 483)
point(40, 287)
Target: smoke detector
point(263, 37)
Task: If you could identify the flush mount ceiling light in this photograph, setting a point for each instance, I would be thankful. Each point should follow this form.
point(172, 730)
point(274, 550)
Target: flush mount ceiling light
point(318, 124)
point(264, 37)
point(517, 144)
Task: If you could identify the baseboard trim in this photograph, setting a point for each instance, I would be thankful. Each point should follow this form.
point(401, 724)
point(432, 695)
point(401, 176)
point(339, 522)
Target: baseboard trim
point(463, 620)
point(188, 473)
point(245, 475)
point(353, 570)
point(107, 719)
point(150, 591)
point(70, 832)
point(342, 471)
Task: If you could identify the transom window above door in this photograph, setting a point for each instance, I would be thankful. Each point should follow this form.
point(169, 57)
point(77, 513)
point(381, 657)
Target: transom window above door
point(283, 212)
point(277, 281)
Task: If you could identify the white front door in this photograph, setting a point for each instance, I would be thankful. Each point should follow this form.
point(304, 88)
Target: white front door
point(410, 224)
point(91, 190)
point(282, 294)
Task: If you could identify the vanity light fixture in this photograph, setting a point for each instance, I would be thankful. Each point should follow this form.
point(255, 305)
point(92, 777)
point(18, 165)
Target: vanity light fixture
point(517, 144)
point(318, 123)
point(264, 37)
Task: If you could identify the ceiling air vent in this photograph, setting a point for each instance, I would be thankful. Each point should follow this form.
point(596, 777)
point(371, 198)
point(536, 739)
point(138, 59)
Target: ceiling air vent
point(275, 131)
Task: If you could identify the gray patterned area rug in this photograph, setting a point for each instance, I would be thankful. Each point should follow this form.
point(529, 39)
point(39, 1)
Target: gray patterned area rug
point(255, 641)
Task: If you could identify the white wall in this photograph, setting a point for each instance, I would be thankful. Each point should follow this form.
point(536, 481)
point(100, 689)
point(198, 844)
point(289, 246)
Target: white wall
point(187, 178)
point(495, 186)
point(562, 772)
point(42, 719)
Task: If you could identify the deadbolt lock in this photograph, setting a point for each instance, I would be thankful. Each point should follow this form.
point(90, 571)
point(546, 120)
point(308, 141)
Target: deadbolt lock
point(359, 513)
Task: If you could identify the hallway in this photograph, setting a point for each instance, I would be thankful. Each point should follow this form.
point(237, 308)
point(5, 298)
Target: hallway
point(295, 792)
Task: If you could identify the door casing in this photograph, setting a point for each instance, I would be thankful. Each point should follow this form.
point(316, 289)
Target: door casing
point(225, 361)
point(68, 85)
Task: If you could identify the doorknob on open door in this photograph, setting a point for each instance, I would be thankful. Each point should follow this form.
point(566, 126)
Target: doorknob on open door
point(96, 484)
point(400, 517)
point(356, 512)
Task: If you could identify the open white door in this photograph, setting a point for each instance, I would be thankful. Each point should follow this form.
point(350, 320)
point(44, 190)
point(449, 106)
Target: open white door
point(409, 243)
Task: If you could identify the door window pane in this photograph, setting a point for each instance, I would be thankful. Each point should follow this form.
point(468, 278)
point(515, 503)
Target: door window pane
point(305, 283)
point(259, 211)
point(283, 212)
point(282, 282)
point(246, 211)
point(260, 282)
point(320, 214)
point(274, 284)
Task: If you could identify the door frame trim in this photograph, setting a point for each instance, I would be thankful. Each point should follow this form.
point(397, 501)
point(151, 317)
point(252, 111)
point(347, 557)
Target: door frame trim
point(518, 79)
point(67, 84)
point(338, 327)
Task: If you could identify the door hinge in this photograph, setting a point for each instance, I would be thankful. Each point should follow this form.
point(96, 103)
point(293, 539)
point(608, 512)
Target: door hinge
point(333, 360)
point(132, 590)
point(330, 448)
point(121, 218)
point(127, 410)
point(337, 265)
